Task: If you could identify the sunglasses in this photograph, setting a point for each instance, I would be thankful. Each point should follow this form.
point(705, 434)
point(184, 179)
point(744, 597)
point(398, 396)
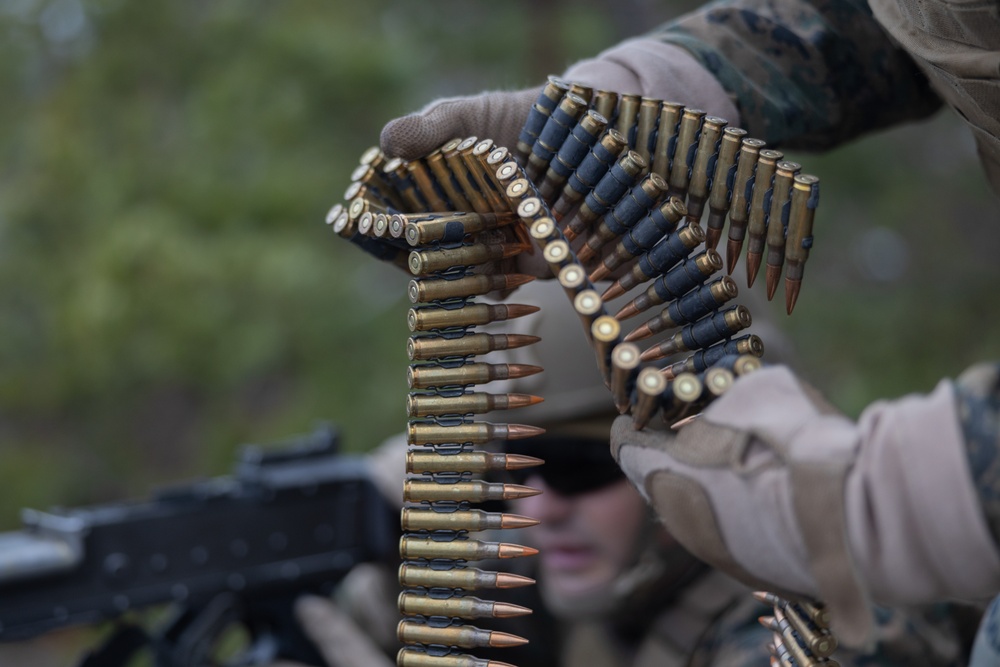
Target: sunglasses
point(573, 465)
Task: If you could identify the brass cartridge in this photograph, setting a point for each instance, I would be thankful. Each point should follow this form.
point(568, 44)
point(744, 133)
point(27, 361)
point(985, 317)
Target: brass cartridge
point(739, 206)
point(465, 578)
point(767, 163)
point(720, 193)
point(477, 433)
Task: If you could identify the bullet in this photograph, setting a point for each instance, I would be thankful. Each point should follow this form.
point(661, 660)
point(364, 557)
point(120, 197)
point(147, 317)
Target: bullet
point(464, 180)
point(628, 111)
point(717, 381)
point(530, 209)
point(465, 578)
point(805, 199)
point(624, 362)
point(430, 461)
point(557, 255)
point(426, 405)
point(359, 206)
point(421, 547)
point(475, 491)
point(691, 307)
point(554, 133)
point(507, 172)
point(371, 183)
point(343, 225)
point(675, 283)
point(593, 167)
point(469, 607)
point(576, 147)
point(372, 155)
point(366, 224)
point(518, 188)
point(540, 111)
point(476, 433)
point(622, 175)
point(394, 171)
point(334, 213)
point(605, 332)
point(681, 397)
point(702, 334)
point(819, 641)
point(588, 306)
point(430, 318)
point(411, 657)
point(657, 224)
point(422, 262)
point(739, 205)
point(436, 347)
point(657, 260)
point(746, 363)
point(666, 138)
point(380, 229)
point(777, 223)
point(645, 129)
point(649, 385)
point(573, 279)
point(488, 157)
point(424, 290)
point(429, 191)
point(412, 519)
point(721, 191)
point(426, 376)
point(581, 90)
point(633, 206)
point(543, 231)
point(605, 102)
point(451, 227)
point(445, 179)
point(687, 146)
point(702, 359)
point(801, 655)
point(477, 171)
point(703, 166)
point(462, 636)
point(767, 163)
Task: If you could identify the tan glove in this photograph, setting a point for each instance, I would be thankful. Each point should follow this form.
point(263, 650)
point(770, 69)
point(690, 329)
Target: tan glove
point(775, 488)
point(341, 641)
point(643, 66)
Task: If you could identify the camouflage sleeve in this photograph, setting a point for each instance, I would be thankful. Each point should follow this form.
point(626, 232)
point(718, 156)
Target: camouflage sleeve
point(978, 391)
point(806, 74)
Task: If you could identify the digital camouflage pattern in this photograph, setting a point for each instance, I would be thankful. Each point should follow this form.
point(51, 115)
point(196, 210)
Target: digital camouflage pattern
point(924, 637)
point(806, 74)
point(978, 392)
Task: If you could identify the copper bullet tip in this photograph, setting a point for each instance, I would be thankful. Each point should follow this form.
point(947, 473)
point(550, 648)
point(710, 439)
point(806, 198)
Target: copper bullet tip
point(712, 236)
point(519, 340)
point(639, 333)
point(497, 663)
point(508, 610)
point(753, 265)
point(505, 640)
point(568, 232)
point(651, 353)
point(522, 370)
point(517, 279)
point(508, 550)
point(508, 580)
point(627, 311)
point(515, 491)
point(613, 292)
point(792, 288)
point(600, 273)
point(768, 622)
point(772, 274)
point(585, 254)
point(522, 400)
point(518, 431)
point(520, 461)
point(732, 255)
point(517, 521)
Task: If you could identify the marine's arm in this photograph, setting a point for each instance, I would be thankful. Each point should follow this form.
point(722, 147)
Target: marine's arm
point(807, 74)
point(776, 488)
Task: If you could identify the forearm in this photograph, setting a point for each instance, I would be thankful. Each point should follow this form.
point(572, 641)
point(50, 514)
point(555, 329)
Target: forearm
point(807, 74)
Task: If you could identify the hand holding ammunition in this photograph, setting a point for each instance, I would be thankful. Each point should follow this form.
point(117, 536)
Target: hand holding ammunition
point(774, 487)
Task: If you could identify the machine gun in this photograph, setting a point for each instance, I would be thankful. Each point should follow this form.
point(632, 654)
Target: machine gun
point(230, 550)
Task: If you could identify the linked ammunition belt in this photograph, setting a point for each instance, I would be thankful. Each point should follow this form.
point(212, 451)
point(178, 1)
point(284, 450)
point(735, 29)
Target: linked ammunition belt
point(615, 183)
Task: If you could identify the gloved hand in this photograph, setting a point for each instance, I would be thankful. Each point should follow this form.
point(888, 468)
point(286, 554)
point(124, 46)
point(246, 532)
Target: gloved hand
point(643, 66)
point(341, 641)
point(773, 486)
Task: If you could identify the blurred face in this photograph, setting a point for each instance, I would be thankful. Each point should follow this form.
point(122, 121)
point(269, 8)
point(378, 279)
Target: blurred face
point(586, 540)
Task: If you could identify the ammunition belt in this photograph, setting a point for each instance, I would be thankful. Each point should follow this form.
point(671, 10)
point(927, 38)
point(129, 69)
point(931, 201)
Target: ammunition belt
point(631, 178)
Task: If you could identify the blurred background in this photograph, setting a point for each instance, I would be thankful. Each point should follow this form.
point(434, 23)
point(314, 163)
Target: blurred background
point(169, 290)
